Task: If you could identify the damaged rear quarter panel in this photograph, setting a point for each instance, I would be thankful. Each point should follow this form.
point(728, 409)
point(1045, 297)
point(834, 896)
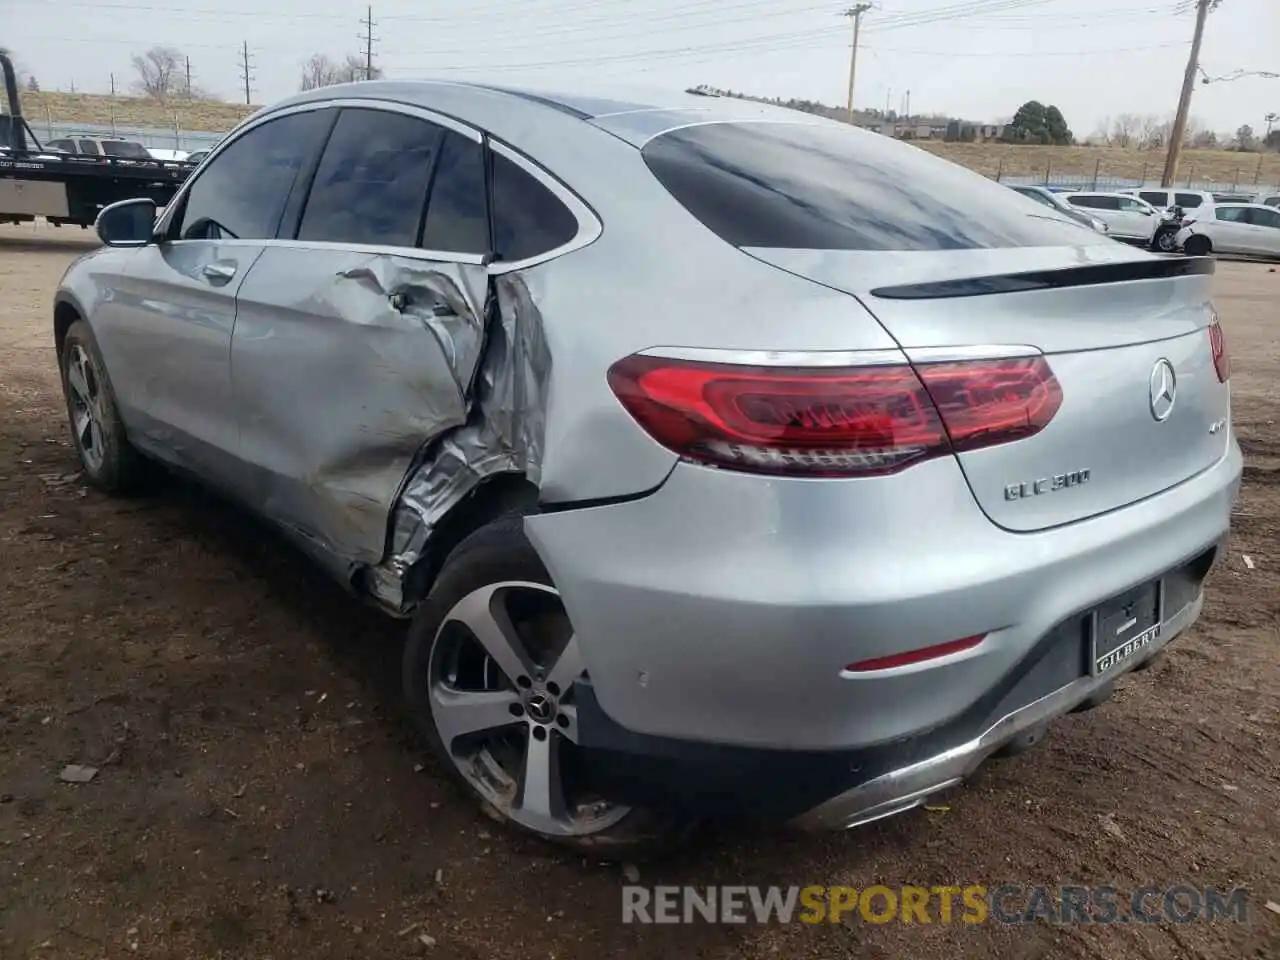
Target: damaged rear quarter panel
point(344, 363)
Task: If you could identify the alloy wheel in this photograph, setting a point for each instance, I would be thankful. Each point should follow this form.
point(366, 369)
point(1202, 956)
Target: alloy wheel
point(500, 683)
point(86, 407)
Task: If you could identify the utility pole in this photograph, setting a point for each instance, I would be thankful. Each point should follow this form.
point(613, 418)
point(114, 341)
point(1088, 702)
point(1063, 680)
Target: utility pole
point(245, 65)
point(368, 39)
point(854, 13)
point(908, 110)
point(113, 84)
point(188, 59)
point(1184, 100)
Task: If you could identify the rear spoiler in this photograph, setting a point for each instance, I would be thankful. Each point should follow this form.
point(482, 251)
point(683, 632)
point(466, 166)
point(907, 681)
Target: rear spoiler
point(1157, 268)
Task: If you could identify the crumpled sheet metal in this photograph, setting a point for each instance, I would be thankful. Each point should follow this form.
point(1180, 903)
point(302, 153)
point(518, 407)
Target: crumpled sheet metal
point(349, 382)
point(503, 434)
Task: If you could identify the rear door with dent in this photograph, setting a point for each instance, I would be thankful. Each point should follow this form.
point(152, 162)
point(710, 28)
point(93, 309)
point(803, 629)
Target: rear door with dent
point(359, 331)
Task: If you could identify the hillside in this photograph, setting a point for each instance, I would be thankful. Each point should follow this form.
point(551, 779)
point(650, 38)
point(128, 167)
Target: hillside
point(1020, 160)
point(210, 115)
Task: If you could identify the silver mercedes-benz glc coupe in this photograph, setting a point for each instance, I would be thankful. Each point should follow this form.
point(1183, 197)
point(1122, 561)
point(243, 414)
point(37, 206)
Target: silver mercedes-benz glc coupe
point(726, 460)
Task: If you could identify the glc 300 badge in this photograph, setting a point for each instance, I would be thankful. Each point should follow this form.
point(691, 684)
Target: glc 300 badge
point(1034, 488)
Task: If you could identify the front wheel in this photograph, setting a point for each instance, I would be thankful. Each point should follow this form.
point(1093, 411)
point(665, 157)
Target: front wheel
point(1197, 246)
point(109, 461)
point(489, 673)
point(1166, 241)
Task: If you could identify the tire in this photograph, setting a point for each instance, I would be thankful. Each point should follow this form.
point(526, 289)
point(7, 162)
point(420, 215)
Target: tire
point(1166, 241)
point(108, 460)
point(1197, 245)
point(442, 666)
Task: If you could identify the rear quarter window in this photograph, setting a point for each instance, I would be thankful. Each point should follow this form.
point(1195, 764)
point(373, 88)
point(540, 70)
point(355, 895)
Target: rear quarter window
point(814, 186)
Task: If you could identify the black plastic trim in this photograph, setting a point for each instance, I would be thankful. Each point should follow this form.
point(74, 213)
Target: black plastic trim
point(1155, 269)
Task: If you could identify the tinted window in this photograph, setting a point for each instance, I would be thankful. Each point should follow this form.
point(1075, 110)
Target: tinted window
point(242, 192)
point(1272, 201)
point(371, 185)
point(1037, 196)
point(816, 186)
point(126, 149)
point(66, 145)
point(1095, 203)
point(1154, 197)
point(1233, 214)
point(1133, 206)
point(1264, 218)
point(1188, 200)
point(88, 146)
point(527, 217)
point(457, 215)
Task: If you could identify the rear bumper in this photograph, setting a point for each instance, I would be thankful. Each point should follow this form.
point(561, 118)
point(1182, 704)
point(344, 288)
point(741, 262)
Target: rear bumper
point(723, 608)
point(908, 786)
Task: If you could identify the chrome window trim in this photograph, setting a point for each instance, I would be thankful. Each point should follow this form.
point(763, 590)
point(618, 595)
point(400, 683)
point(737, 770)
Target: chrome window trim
point(589, 226)
point(978, 351)
point(257, 120)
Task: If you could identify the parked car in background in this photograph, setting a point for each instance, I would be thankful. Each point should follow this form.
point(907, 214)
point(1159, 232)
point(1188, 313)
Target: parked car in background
point(1130, 219)
point(510, 363)
point(171, 156)
point(1054, 201)
point(196, 156)
point(1271, 200)
point(101, 147)
point(1247, 229)
point(1164, 199)
point(1235, 198)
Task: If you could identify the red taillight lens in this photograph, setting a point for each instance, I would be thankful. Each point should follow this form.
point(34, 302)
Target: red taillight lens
point(824, 421)
point(919, 655)
point(1218, 344)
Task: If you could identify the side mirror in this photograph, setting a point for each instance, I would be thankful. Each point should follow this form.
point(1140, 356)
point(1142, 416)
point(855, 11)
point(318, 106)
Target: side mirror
point(129, 223)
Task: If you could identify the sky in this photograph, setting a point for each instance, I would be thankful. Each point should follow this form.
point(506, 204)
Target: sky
point(976, 59)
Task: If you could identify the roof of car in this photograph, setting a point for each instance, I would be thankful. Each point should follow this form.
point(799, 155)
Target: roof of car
point(506, 111)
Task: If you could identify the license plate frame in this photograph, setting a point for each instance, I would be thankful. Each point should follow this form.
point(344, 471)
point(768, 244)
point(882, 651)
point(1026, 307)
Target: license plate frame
point(1125, 626)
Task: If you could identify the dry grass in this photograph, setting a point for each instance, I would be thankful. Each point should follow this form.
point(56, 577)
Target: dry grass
point(1222, 166)
point(211, 115)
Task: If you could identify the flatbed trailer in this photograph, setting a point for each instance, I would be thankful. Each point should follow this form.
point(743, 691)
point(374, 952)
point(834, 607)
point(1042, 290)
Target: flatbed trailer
point(67, 188)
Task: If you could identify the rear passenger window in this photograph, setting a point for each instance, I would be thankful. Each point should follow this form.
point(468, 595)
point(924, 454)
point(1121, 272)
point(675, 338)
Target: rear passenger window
point(88, 146)
point(528, 219)
point(371, 185)
point(1157, 198)
point(457, 215)
point(1188, 200)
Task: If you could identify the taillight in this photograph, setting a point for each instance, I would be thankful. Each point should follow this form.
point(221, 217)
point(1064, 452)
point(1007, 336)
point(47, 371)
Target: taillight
point(834, 421)
point(1218, 344)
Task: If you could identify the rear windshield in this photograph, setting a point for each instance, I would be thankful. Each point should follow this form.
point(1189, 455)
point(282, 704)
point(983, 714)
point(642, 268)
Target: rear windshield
point(126, 149)
point(819, 187)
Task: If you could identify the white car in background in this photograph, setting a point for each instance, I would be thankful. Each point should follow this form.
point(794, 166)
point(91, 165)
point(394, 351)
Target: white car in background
point(1163, 199)
point(1128, 218)
point(1248, 229)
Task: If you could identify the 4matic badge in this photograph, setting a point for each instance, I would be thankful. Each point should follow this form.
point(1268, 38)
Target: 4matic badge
point(1034, 488)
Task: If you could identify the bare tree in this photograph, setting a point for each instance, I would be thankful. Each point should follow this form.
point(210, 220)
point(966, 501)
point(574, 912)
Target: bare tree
point(321, 70)
point(1205, 139)
point(1150, 134)
point(161, 73)
point(1124, 129)
point(1102, 135)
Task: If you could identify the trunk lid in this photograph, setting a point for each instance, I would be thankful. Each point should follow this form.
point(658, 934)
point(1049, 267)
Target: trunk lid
point(1112, 323)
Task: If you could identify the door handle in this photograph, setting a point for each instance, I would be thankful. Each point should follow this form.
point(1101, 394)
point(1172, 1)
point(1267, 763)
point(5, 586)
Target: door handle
point(220, 271)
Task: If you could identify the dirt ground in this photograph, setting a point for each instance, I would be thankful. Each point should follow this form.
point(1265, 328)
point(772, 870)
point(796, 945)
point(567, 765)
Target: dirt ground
point(259, 796)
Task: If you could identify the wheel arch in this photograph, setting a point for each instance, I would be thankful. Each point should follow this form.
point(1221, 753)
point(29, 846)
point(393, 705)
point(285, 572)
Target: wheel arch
point(495, 496)
point(66, 311)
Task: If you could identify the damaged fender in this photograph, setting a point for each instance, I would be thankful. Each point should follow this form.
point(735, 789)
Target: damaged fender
point(503, 433)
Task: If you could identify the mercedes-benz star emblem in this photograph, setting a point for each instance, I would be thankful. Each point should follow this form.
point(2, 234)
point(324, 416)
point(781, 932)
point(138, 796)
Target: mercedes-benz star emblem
point(1164, 389)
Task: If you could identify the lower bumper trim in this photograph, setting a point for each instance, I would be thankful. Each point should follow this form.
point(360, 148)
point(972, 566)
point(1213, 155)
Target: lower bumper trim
point(900, 790)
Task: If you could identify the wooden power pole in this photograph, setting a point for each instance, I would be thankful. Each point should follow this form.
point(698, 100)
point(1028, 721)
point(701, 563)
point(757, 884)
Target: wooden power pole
point(1184, 100)
point(854, 13)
